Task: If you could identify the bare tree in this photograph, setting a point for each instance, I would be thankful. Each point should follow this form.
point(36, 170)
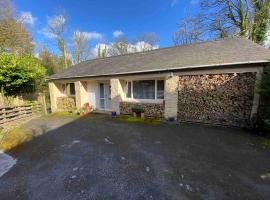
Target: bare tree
point(57, 27)
point(247, 18)
point(101, 51)
point(230, 12)
point(119, 46)
point(81, 46)
point(190, 31)
point(7, 9)
point(146, 41)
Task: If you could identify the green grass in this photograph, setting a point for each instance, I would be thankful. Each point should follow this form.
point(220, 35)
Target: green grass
point(14, 138)
point(64, 114)
point(129, 119)
point(1, 136)
point(263, 142)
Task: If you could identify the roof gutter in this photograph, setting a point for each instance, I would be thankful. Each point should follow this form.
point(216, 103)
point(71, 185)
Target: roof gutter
point(165, 70)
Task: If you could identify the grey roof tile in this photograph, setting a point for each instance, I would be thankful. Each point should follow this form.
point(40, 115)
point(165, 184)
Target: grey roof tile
point(214, 53)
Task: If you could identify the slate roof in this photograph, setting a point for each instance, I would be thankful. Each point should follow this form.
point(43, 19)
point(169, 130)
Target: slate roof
point(231, 51)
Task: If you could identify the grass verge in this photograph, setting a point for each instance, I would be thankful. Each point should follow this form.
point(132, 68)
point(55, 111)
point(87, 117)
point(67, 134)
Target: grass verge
point(14, 138)
point(263, 142)
point(124, 118)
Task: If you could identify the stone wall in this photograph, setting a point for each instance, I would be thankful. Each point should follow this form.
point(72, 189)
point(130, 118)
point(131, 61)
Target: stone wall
point(66, 103)
point(151, 110)
point(224, 99)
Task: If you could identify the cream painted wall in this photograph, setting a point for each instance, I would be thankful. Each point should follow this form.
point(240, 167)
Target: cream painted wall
point(92, 93)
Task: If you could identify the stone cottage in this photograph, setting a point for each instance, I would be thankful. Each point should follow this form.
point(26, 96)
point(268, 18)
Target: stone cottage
point(210, 82)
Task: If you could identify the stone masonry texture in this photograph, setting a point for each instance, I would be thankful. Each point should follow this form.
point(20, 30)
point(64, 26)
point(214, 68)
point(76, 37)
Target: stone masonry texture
point(223, 99)
point(66, 103)
point(151, 110)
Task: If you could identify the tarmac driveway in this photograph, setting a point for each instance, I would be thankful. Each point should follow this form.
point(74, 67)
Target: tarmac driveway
point(97, 157)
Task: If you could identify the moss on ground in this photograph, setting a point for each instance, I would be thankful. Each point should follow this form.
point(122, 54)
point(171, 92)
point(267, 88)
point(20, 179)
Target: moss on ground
point(14, 138)
point(263, 142)
point(124, 118)
point(65, 114)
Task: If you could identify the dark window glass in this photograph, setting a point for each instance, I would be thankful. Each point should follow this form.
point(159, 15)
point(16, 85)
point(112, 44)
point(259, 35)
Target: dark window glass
point(144, 89)
point(72, 89)
point(129, 90)
point(160, 89)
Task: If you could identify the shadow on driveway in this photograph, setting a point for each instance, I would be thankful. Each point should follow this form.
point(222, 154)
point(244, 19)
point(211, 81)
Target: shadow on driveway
point(96, 157)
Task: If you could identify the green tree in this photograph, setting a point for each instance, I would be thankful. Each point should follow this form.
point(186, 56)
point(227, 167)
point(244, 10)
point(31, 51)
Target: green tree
point(64, 61)
point(49, 61)
point(264, 119)
point(19, 74)
point(265, 83)
point(13, 35)
point(261, 20)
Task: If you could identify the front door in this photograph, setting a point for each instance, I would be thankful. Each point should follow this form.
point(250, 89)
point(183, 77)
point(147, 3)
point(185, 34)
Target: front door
point(104, 96)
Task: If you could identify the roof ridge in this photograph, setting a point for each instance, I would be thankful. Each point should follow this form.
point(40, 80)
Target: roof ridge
point(171, 47)
point(230, 50)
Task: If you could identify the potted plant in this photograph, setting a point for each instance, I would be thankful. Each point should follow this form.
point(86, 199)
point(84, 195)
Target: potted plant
point(88, 107)
point(138, 110)
point(82, 111)
point(114, 114)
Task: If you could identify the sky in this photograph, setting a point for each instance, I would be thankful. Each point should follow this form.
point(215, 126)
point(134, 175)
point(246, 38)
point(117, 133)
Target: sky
point(105, 19)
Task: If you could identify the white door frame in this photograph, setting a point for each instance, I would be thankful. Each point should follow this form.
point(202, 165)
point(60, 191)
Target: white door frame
point(105, 96)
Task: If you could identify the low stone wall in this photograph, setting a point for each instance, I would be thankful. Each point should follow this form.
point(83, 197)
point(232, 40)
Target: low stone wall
point(224, 99)
point(66, 103)
point(151, 110)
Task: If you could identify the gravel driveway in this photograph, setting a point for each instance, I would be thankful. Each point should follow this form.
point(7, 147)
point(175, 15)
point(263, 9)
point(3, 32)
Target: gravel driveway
point(97, 157)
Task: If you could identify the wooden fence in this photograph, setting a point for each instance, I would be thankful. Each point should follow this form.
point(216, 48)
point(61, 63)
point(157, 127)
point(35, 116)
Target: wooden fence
point(8, 113)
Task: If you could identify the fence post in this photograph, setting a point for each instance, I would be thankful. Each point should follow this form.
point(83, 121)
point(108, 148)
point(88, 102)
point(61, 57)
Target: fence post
point(42, 101)
point(4, 114)
point(1, 100)
point(44, 106)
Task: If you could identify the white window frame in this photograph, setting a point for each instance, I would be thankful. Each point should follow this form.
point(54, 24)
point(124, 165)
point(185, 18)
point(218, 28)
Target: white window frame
point(132, 99)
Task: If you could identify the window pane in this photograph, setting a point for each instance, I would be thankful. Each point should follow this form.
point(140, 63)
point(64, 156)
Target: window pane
point(144, 89)
point(102, 103)
point(160, 89)
point(101, 90)
point(72, 88)
point(129, 90)
point(64, 88)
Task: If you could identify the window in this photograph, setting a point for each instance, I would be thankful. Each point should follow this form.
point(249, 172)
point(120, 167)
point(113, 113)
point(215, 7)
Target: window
point(129, 89)
point(160, 89)
point(145, 89)
point(70, 89)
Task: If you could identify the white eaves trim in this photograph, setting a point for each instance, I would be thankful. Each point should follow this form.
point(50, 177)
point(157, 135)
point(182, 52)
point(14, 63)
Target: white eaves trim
point(165, 70)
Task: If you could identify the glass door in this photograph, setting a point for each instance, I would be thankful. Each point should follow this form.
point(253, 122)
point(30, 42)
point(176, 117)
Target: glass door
point(107, 96)
point(102, 96)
